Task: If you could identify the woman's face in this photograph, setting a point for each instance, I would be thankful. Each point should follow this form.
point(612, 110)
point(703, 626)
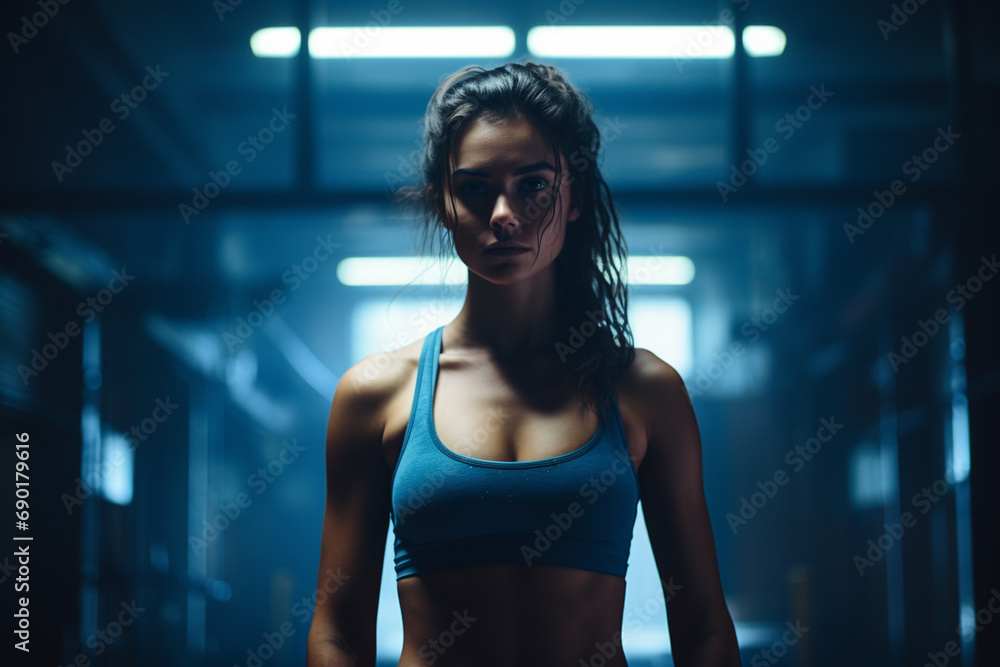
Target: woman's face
point(503, 187)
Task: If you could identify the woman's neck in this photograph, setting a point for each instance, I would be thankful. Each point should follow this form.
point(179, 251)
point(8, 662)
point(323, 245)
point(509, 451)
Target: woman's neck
point(511, 321)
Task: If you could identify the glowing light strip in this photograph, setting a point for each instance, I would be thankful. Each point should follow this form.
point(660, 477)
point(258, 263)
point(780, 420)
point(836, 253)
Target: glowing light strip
point(280, 42)
point(378, 271)
point(374, 41)
point(665, 41)
point(373, 271)
point(660, 270)
point(412, 42)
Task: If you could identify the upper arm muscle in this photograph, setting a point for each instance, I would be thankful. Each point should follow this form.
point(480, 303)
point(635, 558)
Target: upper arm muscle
point(674, 507)
point(355, 521)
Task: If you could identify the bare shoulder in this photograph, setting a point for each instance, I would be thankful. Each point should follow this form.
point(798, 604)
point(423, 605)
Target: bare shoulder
point(658, 400)
point(653, 382)
point(368, 389)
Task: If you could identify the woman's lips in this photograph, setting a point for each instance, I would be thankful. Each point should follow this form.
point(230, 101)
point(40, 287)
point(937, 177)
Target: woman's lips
point(506, 251)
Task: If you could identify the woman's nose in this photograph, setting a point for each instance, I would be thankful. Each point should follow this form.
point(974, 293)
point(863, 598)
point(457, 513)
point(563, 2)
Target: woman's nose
point(504, 215)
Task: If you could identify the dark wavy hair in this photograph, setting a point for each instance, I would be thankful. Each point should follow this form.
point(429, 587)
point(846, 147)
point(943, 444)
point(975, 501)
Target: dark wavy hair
point(589, 267)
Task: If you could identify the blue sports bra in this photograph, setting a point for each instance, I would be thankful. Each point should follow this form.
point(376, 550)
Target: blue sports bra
point(448, 510)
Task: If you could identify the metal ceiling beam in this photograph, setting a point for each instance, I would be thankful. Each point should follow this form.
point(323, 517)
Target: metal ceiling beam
point(739, 79)
point(305, 164)
point(115, 70)
point(166, 202)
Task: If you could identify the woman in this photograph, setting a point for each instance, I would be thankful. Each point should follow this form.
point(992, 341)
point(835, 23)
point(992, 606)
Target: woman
point(510, 446)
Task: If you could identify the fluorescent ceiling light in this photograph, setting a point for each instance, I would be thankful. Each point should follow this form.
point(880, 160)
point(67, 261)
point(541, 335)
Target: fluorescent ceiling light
point(660, 270)
point(116, 467)
point(665, 41)
point(624, 41)
point(412, 42)
point(374, 271)
point(657, 269)
point(631, 41)
point(369, 271)
point(763, 40)
point(275, 42)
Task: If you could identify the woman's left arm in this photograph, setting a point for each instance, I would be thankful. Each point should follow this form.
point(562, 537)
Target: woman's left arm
point(680, 532)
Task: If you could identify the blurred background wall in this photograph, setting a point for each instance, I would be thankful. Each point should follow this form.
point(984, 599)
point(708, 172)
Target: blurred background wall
point(177, 207)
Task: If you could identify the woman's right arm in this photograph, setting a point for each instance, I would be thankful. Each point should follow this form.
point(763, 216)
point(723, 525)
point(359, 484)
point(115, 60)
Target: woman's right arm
point(355, 522)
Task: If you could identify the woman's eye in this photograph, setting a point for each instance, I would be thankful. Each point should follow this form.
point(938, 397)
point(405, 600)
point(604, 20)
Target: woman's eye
point(472, 188)
point(534, 184)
